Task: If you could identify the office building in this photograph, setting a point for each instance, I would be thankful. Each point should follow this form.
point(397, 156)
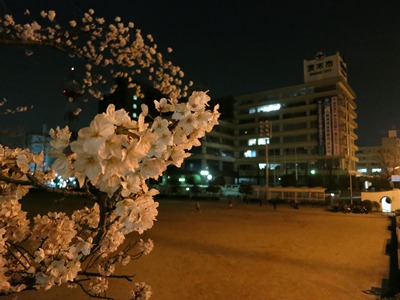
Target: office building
point(310, 138)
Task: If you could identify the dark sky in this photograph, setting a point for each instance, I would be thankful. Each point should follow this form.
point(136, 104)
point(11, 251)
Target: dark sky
point(237, 47)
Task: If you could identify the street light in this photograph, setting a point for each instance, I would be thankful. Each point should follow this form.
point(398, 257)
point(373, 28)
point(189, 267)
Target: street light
point(350, 172)
point(206, 174)
point(265, 131)
point(351, 186)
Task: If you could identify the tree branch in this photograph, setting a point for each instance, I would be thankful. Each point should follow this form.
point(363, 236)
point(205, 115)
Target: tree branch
point(95, 274)
point(36, 183)
point(29, 43)
point(89, 294)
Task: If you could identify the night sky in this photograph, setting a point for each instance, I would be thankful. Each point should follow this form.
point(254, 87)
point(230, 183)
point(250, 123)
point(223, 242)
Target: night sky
point(230, 48)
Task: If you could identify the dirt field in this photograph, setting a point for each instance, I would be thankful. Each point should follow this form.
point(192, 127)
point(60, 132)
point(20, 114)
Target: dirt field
point(253, 252)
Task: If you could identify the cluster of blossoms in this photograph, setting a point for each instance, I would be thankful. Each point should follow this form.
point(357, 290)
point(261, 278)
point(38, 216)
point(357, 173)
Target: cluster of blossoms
point(112, 160)
point(114, 156)
point(116, 47)
point(14, 110)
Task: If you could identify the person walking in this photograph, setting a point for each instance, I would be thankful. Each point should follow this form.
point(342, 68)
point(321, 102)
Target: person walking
point(230, 203)
point(198, 208)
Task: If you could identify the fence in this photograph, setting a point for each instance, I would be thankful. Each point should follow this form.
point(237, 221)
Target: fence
point(292, 194)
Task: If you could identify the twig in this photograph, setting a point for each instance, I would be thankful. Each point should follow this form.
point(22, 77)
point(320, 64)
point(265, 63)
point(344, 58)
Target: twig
point(89, 294)
point(94, 274)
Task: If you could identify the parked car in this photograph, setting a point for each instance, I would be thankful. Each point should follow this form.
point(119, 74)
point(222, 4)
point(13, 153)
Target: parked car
point(345, 208)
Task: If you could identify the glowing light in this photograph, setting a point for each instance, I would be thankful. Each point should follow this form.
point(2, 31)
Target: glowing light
point(263, 141)
point(204, 172)
point(252, 142)
point(262, 166)
point(250, 153)
point(265, 108)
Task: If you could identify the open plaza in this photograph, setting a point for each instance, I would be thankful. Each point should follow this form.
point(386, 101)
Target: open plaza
point(207, 250)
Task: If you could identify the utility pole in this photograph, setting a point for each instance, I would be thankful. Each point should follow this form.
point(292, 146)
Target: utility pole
point(349, 153)
point(265, 131)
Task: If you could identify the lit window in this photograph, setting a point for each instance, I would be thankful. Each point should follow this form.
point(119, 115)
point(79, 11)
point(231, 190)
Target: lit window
point(250, 153)
point(268, 108)
point(362, 170)
point(134, 106)
point(274, 166)
point(204, 172)
point(252, 142)
point(376, 170)
point(262, 166)
point(265, 108)
point(134, 115)
point(134, 97)
point(263, 141)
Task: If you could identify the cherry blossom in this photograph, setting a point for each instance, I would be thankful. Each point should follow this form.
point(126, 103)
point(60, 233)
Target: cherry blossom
point(113, 155)
point(112, 159)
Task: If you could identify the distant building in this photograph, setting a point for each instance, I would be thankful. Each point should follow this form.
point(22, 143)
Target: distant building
point(215, 157)
point(381, 160)
point(125, 98)
point(370, 160)
point(35, 142)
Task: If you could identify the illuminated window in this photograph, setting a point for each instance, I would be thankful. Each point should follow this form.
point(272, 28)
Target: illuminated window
point(250, 153)
point(265, 108)
point(376, 170)
point(134, 106)
point(134, 115)
point(362, 170)
point(134, 97)
point(263, 141)
point(268, 108)
point(262, 166)
point(274, 166)
point(252, 142)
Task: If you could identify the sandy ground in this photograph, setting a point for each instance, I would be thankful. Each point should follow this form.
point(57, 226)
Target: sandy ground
point(253, 252)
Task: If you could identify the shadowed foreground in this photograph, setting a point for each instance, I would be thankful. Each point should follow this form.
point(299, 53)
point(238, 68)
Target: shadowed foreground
point(253, 252)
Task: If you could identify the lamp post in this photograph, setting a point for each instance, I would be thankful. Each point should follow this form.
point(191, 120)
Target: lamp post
point(348, 146)
point(351, 187)
point(350, 172)
point(266, 132)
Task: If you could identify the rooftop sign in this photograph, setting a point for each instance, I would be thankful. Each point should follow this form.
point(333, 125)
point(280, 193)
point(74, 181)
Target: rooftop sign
point(322, 67)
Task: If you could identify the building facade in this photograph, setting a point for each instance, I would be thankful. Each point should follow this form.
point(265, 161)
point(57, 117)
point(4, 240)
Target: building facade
point(35, 142)
point(311, 129)
point(380, 160)
point(305, 133)
point(370, 160)
point(215, 157)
